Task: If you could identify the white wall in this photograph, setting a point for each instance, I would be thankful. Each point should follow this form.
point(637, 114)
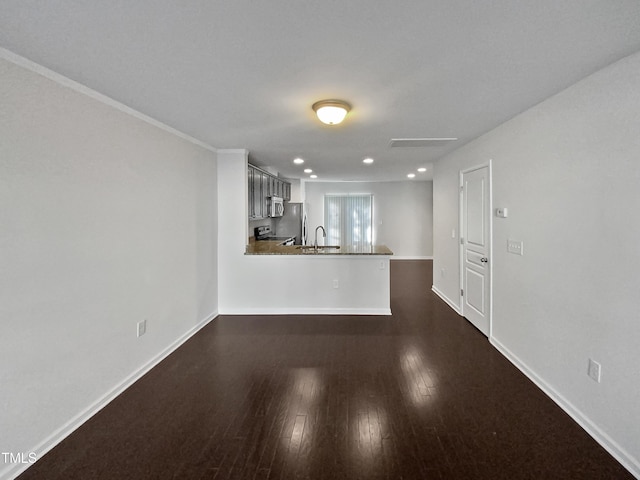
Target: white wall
point(284, 284)
point(296, 190)
point(105, 220)
point(569, 172)
point(403, 213)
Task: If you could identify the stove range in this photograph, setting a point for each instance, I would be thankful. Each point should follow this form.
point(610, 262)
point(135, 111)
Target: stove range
point(264, 233)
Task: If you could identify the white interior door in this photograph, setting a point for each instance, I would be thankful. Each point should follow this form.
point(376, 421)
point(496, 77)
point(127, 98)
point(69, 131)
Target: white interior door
point(475, 246)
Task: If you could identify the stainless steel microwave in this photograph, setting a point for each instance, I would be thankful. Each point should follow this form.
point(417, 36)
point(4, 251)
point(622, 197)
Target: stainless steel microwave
point(276, 207)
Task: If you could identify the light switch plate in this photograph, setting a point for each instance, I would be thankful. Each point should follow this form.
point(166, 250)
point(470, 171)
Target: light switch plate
point(515, 246)
point(593, 370)
point(142, 327)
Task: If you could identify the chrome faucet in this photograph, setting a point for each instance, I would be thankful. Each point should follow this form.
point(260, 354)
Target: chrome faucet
point(324, 234)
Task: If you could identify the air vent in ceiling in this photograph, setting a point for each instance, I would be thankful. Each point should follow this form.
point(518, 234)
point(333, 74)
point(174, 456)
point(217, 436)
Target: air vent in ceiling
point(420, 142)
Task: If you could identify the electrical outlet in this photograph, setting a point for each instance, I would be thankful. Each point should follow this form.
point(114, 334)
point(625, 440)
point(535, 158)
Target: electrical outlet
point(336, 284)
point(142, 327)
point(594, 370)
point(502, 212)
point(381, 266)
point(515, 246)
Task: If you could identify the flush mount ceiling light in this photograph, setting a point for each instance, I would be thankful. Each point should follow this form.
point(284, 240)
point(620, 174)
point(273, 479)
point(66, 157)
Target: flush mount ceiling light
point(331, 112)
point(313, 176)
point(307, 170)
point(368, 161)
point(298, 161)
point(411, 175)
point(422, 169)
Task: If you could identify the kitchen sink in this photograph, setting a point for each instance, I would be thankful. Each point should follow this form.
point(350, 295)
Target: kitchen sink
point(319, 249)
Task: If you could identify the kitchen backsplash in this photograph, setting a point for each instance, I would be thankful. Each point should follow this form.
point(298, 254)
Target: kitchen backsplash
point(257, 223)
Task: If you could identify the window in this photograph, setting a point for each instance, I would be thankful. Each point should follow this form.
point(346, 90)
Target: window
point(348, 219)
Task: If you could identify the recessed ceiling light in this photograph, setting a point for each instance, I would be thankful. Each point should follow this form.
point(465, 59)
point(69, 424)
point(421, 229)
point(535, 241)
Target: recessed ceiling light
point(411, 175)
point(422, 169)
point(298, 161)
point(331, 112)
point(307, 170)
point(368, 161)
point(313, 176)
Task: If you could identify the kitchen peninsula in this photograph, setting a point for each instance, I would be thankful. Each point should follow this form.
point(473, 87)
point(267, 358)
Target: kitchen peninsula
point(279, 280)
point(344, 279)
point(267, 247)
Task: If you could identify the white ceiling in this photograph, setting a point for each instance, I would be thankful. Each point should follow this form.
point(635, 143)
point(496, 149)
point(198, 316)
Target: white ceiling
point(244, 73)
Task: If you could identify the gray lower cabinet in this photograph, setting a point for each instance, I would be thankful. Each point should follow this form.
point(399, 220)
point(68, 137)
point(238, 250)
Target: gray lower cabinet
point(262, 185)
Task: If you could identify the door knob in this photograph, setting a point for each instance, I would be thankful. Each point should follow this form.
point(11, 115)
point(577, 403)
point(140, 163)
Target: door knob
point(484, 259)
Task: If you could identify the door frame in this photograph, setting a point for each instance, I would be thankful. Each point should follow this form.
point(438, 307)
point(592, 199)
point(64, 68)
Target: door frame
point(488, 164)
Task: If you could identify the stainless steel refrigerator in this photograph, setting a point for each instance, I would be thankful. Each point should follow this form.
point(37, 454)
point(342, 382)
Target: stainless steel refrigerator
point(293, 223)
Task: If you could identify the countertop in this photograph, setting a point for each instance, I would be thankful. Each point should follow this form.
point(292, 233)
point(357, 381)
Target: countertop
point(269, 247)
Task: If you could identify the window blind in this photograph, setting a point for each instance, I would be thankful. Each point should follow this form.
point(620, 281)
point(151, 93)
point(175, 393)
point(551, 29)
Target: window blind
point(348, 219)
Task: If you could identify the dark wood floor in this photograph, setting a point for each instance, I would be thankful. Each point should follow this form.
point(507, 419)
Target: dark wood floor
point(418, 395)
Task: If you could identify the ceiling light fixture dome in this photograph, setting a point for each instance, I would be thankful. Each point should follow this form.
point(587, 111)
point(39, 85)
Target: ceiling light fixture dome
point(331, 112)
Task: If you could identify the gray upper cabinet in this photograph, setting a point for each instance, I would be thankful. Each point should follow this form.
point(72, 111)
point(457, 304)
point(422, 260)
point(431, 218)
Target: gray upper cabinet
point(262, 185)
point(257, 204)
point(252, 212)
point(272, 186)
point(266, 185)
point(258, 195)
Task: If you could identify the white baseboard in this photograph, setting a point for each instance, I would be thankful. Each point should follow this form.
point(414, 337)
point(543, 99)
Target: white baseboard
point(619, 453)
point(405, 257)
point(446, 299)
point(306, 311)
point(64, 431)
